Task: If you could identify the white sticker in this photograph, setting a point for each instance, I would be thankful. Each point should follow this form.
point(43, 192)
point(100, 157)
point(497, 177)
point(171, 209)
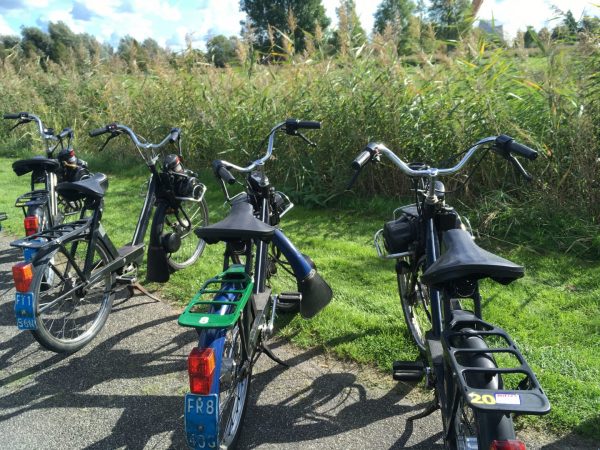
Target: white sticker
point(203, 320)
point(508, 399)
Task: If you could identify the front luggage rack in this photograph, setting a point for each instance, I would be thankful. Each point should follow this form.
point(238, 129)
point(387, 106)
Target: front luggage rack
point(527, 398)
point(231, 288)
point(382, 252)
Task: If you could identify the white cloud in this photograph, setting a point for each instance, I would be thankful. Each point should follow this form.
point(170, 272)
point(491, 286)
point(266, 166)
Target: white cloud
point(5, 28)
point(66, 17)
point(36, 3)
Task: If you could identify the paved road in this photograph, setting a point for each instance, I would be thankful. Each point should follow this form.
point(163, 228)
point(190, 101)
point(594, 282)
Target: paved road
point(125, 390)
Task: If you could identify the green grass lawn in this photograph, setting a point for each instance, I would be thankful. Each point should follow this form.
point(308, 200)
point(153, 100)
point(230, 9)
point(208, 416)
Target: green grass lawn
point(553, 313)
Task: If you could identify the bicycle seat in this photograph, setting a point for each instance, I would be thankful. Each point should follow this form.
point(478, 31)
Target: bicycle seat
point(239, 225)
point(94, 187)
point(463, 259)
point(40, 163)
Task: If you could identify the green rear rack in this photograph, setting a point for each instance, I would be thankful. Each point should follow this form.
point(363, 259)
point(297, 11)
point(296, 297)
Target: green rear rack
point(232, 288)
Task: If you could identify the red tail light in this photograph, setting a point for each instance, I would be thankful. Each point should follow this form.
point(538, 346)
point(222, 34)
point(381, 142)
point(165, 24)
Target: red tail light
point(201, 365)
point(22, 275)
point(513, 444)
point(31, 225)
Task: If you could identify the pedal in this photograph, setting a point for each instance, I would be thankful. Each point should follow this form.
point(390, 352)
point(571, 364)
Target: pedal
point(408, 370)
point(290, 297)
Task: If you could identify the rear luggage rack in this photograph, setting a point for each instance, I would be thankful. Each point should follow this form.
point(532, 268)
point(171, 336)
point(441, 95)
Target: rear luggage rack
point(54, 236)
point(33, 198)
point(528, 398)
point(231, 288)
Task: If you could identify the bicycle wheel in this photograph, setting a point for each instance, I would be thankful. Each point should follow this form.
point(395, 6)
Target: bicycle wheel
point(70, 313)
point(474, 429)
point(233, 388)
point(414, 297)
point(181, 222)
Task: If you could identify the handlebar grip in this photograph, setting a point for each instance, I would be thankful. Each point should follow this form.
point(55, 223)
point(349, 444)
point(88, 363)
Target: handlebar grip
point(99, 131)
point(302, 124)
point(362, 159)
point(508, 144)
point(175, 134)
point(222, 172)
point(66, 132)
point(523, 150)
point(14, 115)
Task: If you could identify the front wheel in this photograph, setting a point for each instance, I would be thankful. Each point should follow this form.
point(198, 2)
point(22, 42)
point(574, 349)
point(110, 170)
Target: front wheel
point(174, 229)
point(69, 312)
point(414, 298)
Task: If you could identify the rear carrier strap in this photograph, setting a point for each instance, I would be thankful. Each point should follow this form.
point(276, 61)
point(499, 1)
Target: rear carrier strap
point(525, 394)
point(220, 301)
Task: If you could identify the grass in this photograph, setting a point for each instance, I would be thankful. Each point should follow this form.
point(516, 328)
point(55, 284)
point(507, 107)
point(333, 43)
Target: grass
point(553, 314)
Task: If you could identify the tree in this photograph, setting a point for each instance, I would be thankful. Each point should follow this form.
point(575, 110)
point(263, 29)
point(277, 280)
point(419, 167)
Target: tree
point(571, 24)
point(221, 50)
point(397, 15)
point(292, 17)
point(529, 37)
point(451, 18)
point(35, 42)
point(350, 33)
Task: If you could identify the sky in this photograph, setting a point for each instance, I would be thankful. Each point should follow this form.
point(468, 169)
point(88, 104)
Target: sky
point(170, 21)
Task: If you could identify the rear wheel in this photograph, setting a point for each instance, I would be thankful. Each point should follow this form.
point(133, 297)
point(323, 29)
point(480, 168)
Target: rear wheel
point(474, 429)
point(174, 228)
point(234, 385)
point(414, 298)
point(42, 214)
point(70, 313)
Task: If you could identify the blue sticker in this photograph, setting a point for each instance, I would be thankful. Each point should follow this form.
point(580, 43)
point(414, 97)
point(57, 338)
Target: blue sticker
point(25, 311)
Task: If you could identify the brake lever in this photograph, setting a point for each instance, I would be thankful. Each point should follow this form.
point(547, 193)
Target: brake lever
point(20, 122)
point(517, 164)
point(305, 139)
point(353, 179)
point(112, 135)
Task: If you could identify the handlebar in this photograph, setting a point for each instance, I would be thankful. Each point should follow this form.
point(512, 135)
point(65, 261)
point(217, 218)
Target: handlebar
point(503, 145)
point(291, 127)
point(115, 129)
point(47, 134)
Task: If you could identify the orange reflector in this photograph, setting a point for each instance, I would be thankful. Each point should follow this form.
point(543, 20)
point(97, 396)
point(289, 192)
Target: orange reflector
point(201, 365)
point(512, 444)
point(31, 225)
point(22, 275)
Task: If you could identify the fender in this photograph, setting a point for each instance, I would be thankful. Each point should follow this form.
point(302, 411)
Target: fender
point(316, 293)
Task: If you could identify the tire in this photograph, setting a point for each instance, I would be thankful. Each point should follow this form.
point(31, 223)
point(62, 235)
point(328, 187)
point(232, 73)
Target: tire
point(72, 322)
point(233, 396)
point(168, 220)
point(474, 428)
point(414, 299)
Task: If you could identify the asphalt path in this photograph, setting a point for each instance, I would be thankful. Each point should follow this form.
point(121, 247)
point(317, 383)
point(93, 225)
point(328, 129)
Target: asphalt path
point(126, 388)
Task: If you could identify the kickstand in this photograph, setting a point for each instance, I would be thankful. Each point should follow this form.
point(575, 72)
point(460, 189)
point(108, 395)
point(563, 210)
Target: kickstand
point(431, 408)
point(138, 287)
point(267, 351)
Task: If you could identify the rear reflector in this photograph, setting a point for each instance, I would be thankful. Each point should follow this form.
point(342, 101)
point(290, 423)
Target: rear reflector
point(513, 444)
point(22, 275)
point(31, 225)
point(201, 365)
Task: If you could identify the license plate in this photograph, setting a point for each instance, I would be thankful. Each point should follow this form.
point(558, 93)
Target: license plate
point(25, 311)
point(202, 420)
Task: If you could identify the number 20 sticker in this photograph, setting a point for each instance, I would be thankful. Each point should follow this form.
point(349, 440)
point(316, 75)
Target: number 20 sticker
point(485, 399)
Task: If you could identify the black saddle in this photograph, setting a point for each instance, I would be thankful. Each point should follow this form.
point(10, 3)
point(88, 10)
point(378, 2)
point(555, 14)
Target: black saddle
point(463, 259)
point(94, 187)
point(239, 225)
point(38, 163)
